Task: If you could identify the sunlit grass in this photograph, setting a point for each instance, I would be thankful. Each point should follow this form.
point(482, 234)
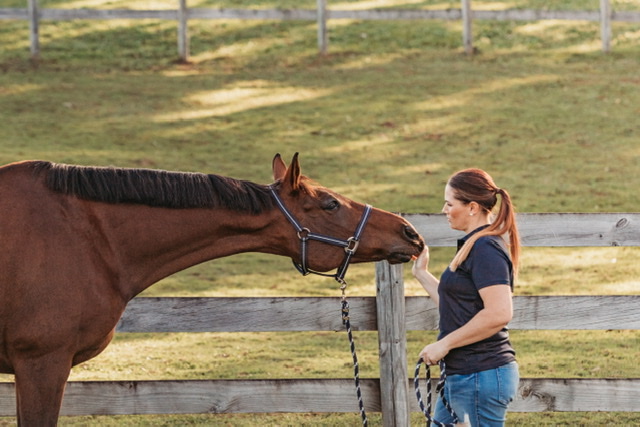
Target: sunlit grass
point(241, 97)
point(578, 271)
point(309, 420)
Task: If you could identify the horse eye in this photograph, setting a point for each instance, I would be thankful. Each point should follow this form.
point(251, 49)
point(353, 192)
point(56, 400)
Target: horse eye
point(332, 205)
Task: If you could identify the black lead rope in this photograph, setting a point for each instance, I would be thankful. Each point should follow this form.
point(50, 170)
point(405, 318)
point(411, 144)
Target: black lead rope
point(356, 369)
point(439, 390)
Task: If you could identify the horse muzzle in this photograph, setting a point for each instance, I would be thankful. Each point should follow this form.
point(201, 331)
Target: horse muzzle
point(415, 247)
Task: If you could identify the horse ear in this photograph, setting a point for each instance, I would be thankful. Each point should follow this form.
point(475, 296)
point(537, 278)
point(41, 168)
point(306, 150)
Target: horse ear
point(293, 173)
point(279, 167)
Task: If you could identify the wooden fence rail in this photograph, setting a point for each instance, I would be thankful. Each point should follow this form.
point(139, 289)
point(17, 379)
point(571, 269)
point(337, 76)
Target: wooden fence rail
point(298, 314)
point(312, 395)
point(604, 15)
point(391, 314)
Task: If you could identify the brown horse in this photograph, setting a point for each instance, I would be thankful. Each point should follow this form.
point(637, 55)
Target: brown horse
point(80, 242)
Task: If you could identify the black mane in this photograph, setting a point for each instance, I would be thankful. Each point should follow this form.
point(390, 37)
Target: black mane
point(178, 190)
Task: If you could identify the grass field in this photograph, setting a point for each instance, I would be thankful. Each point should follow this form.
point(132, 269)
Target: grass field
point(385, 117)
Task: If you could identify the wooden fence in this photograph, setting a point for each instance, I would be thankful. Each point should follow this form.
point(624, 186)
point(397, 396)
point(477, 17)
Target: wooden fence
point(605, 15)
point(391, 314)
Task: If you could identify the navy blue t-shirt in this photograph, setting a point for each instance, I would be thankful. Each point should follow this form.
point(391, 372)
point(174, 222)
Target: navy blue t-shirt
point(487, 264)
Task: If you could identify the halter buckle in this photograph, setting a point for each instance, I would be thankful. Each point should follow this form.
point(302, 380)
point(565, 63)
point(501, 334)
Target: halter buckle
point(353, 245)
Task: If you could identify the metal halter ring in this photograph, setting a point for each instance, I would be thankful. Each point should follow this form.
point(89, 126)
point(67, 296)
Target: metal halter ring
point(304, 234)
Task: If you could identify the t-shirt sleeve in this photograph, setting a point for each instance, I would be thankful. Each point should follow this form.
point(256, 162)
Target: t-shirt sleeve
point(491, 265)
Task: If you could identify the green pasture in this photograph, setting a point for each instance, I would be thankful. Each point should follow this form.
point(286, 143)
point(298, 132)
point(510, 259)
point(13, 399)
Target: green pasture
point(385, 117)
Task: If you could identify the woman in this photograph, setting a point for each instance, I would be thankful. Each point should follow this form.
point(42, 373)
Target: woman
point(474, 301)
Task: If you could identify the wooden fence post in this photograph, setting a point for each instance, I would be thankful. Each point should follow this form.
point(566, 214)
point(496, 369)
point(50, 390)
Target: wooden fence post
point(183, 36)
point(467, 38)
point(323, 39)
point(605, 25)
point(392, 341)
point(34, 29)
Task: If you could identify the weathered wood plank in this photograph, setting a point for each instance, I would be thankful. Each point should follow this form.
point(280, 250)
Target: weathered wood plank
point(245, 314)
point(323, 314)
point(250, 14)
point(573, 395)
point(397, 14)
point(561, 15)
point(208, 396)
point(467, 25)
point(312, 395)
point(34, 28)
point(577, 312)
point(605, 25)
point(625, 16)
point(100, 14)
point(311, 15)
point(547, 229)
point(547, 312)
point(323, 34)
point(392, 345)
point(183, 31)
point(578, 394)
point(13, 13)
point(536, 15)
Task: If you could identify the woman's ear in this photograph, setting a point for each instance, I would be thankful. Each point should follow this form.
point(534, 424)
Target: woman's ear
point(474, 208)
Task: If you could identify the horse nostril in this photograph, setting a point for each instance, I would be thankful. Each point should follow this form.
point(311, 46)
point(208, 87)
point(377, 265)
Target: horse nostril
point(411, 233)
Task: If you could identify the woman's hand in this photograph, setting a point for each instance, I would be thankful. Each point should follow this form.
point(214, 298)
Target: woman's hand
point(421, 264)
point(433, 353)
point(421, 272)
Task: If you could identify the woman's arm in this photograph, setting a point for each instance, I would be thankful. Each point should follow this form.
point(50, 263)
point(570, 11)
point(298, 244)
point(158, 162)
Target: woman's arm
point(496, 314)
point(421, 272)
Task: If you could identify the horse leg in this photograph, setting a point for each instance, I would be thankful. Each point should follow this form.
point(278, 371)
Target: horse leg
point(40, 384)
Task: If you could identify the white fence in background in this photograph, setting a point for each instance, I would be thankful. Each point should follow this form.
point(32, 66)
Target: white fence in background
point(605, 15)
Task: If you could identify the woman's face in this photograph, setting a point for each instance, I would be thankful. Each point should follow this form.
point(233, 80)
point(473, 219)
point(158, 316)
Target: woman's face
point(458, 213)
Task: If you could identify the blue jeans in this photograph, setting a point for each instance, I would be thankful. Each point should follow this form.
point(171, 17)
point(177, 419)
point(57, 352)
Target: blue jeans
point(482, 397)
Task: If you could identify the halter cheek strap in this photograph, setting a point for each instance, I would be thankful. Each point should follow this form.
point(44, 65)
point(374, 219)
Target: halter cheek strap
point(304, 235)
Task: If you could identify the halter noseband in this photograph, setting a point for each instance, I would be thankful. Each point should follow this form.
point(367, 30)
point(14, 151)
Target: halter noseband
point(304, 234)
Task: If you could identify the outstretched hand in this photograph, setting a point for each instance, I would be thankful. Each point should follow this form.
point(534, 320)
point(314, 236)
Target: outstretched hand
point(421, 263)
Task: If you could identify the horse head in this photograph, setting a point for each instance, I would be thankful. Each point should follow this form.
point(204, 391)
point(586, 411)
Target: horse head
point(315, 211)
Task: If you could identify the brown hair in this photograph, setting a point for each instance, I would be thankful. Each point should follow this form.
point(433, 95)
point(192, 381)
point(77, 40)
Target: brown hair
point(475, 185)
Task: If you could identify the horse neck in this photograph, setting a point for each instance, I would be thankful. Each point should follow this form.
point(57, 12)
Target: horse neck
point(153, 243)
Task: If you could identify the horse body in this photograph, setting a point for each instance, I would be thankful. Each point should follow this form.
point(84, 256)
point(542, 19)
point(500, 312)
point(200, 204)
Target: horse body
point(72, 260)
